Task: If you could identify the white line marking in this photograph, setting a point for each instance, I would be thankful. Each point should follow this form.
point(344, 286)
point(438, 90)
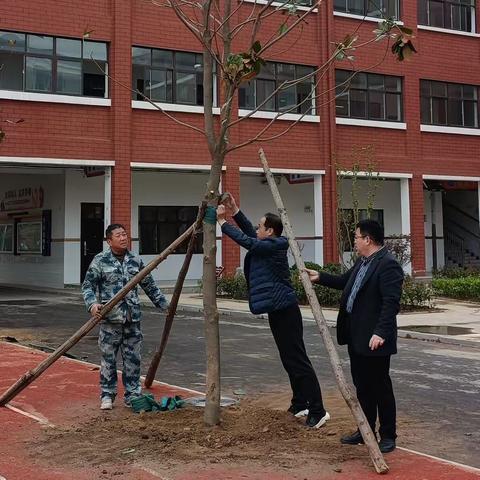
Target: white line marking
point(29, 415)
point(442, 460)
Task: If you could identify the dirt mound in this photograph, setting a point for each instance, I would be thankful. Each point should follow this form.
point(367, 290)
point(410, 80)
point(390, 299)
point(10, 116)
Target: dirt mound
point(251, 432)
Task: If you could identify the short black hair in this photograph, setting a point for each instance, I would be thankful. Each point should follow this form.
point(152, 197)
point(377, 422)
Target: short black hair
point(372, 229)
point(111, 228)
point(275, 222)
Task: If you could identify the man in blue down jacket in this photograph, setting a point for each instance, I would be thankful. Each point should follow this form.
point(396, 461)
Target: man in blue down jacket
point(270, 291)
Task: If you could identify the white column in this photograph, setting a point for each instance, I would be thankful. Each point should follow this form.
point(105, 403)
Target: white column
point(107, 209)
point(405, 213)
point(318, 218)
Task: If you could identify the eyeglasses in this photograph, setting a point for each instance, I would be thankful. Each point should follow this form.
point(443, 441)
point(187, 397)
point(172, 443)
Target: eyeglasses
point(357, 237)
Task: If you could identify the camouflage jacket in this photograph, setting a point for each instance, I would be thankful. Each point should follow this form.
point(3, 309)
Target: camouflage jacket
point(106, 276)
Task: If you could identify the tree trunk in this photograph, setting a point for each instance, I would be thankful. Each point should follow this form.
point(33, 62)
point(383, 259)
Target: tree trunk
point(348, 395)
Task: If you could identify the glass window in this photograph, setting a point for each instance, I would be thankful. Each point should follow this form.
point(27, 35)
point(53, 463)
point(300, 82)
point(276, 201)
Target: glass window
point(39, 44)
point(69, 48)
point(159, 226)
point(6, 238)
point(297, 98)
point(29, 237)
point(167, 76)
point(11, 73)
point(369, 96)
point(69, 77)
point(450, 14)
point(369, 8)
point(39, 63)
point(12, 42)
point(38, 72)
point(449, 104)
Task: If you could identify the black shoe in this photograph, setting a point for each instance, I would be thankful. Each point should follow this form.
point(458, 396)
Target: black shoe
point(353, 439)
point(298, 411)
point(386, 445)
point(316, 421)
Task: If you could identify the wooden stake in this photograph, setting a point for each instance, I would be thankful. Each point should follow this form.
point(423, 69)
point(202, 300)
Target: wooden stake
point(348, 395)
point(172, 309)
point(31, 375)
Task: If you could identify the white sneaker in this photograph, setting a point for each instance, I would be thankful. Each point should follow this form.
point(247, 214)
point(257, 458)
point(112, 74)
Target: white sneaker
point(106, 404)
point(316, 422)
point(301, 413)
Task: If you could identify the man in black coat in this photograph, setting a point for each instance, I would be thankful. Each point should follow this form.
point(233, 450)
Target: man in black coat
point(367, 323)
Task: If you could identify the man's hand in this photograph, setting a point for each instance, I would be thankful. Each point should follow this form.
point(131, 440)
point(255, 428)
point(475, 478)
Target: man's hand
point(313, 274)
point(95, 310)
point(376, 342)
point(230, 203)
point(221, 214)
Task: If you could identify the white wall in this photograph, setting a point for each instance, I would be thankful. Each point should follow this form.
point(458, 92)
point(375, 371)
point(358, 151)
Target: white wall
point(256, 200)
point(78, 189)
point(163, 189)
point(387, 198)
point(28, 269)
point(433, 211)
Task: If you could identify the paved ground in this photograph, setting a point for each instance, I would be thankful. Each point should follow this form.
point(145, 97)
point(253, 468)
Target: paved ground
point(42, 407)
point(437, 384)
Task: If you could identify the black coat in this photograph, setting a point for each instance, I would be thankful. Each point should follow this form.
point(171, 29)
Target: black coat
point(375, 308)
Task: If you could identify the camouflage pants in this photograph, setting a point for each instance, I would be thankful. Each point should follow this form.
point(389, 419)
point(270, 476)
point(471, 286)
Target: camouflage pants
point(128, 338)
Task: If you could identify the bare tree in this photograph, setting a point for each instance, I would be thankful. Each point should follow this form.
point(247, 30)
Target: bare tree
point(219, 26)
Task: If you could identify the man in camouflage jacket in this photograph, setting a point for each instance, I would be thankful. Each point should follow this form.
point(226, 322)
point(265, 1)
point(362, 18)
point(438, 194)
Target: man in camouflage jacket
point(108, 273)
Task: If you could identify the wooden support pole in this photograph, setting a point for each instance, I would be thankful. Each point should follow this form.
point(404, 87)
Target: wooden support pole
point(348, 395)
point(31, 375)
point(172, 309)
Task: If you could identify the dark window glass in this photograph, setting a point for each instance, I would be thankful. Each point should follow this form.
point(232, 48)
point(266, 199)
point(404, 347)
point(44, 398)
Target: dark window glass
point(167, 76)
point(39, 63)
point(159, 226)
point(347, 222)
point(69, 77)
point(11, 73)
point(449, 104)
point(369, 96)
point(297, 98)
point(369, 8)
point(450, 14)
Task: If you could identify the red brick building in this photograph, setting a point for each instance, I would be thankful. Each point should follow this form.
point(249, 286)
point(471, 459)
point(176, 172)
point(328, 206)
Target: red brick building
point(89, 152)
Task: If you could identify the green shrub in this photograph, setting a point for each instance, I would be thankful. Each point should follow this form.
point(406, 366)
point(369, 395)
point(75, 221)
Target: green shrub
point(464, 288)
point(327, 297)
point(416, 295)
point(457, 272)
point(233, 286)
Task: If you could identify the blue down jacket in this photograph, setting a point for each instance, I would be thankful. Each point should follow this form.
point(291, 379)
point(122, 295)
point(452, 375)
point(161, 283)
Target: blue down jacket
point(266, 267)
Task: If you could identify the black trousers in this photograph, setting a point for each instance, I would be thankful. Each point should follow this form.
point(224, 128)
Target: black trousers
point(287, 329)
point(371, 377)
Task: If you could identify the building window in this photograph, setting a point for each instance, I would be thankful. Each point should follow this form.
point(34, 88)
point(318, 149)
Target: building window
point(29, 237)
point(159, 226)
point(369, 8)
point(258, 93)
point(449, 104)
point(451, 14)
point(167, 76)
point(45, 64)
point(368, 96)
point(348, 222)
point(6, 237)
